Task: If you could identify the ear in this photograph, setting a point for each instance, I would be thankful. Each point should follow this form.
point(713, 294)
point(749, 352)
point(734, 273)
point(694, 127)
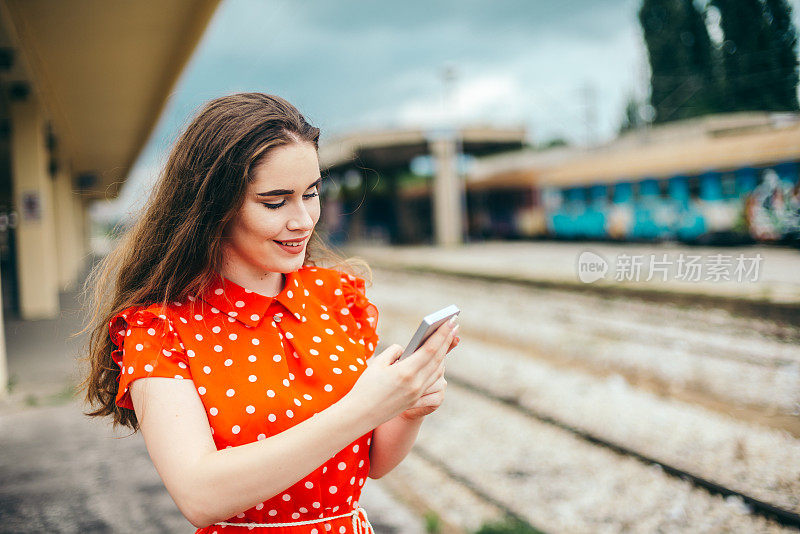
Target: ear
point(225, 234)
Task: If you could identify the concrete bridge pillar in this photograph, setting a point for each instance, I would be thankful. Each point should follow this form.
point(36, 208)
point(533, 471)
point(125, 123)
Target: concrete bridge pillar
point(447, 192)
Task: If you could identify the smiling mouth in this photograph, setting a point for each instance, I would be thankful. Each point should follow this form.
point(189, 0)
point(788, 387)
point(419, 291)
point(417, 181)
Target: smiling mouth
point(290, 243)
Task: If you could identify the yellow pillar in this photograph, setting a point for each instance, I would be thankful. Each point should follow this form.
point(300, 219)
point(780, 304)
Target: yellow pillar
point(3, 361)
point(447, 192)
point(69, 239)
point(82, 231)
point(86, 230)
point(33, 199)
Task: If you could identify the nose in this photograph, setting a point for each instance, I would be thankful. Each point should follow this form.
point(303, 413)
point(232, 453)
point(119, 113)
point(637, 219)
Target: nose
point(300, 219)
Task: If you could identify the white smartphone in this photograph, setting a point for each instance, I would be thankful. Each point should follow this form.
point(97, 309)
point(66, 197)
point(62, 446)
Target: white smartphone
point(427, 327)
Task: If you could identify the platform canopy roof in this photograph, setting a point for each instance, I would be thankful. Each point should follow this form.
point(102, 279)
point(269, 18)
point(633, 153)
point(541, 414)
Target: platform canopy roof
point(395, 148)
point(712, 143)
point(773, 140)
point(103, 70)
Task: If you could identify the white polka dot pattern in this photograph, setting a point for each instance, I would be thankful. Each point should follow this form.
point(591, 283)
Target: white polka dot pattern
point(156, 349)
point(256, 378)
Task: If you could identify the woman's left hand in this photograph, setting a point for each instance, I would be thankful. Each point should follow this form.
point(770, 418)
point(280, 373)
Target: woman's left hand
point(434, 394)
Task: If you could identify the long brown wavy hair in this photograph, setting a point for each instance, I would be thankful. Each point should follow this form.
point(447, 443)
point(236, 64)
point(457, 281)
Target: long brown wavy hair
point(174, 248)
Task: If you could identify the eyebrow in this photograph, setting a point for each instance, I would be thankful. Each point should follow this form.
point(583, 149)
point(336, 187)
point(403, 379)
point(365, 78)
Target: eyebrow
point(276, 192)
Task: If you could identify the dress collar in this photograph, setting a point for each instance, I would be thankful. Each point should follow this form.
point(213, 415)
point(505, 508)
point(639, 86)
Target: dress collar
point(250, 307)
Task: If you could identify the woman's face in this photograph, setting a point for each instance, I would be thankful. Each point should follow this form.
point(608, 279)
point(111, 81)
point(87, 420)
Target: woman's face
point(281, 204)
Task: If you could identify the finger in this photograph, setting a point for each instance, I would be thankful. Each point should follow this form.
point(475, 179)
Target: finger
point(436, 374)
point(418, 360)
point(454, 343)
point(430, 367)
point(443, 335)
point(448, 342)
point(433, 400)
point(439, 385)
point(388, 356)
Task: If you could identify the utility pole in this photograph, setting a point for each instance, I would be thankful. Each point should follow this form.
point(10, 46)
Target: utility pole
point(449, 106)
point(589, 95)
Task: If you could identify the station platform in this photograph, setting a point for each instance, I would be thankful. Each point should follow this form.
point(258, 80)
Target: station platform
point(66, 472)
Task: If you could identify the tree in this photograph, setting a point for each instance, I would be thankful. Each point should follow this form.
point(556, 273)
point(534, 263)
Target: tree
point(682, 67)
point(784, 43)
point(759, 55)
point(553, 143)
point(632, 118)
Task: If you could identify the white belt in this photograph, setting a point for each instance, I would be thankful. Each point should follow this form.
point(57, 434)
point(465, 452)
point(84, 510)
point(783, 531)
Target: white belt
point(359, 526)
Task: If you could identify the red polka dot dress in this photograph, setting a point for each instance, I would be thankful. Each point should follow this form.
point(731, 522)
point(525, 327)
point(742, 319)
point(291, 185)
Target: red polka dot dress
point(262, 365)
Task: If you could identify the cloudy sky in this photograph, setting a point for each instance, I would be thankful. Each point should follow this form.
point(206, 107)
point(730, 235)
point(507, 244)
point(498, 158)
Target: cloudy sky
point(560, 68)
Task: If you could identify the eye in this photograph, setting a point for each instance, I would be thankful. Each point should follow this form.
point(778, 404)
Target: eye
point(276, 206)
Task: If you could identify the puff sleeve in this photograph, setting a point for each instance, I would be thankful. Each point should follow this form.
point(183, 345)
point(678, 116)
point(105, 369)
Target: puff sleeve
point(147, 345)
point(364, 313)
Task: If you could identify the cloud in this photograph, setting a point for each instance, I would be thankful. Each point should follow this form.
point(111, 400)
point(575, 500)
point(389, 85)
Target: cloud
point(488, 98)
point(352, 64)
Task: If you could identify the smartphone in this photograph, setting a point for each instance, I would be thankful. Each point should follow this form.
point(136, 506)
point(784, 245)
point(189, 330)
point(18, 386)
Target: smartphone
point(427, 327)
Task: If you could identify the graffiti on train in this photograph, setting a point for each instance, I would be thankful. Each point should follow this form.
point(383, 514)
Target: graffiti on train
point(772, 210)
point(744, 205)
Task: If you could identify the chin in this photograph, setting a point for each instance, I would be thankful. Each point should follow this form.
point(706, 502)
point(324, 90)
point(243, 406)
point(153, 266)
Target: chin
point(286, 266)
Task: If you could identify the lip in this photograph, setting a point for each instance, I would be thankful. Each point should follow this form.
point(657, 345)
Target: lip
point(295, 249)
point(292, 240)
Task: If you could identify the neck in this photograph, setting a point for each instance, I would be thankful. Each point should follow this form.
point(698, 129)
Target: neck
point(268, 284)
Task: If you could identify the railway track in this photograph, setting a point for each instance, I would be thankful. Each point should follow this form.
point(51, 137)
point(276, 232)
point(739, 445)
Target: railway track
point(761, 341)
point(583, 488)
point(702, 352)
point(784, 316)
point(723, 460)
point(759, 507)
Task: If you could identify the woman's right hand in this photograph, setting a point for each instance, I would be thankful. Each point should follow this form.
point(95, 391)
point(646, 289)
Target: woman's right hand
point(386, 389)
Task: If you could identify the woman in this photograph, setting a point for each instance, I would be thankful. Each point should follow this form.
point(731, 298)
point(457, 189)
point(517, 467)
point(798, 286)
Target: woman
point(244, 363)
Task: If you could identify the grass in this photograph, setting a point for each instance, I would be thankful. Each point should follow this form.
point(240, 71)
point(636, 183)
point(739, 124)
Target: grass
point(12, 383)
point(64, 395)
point(433, 523)
point(508, 526)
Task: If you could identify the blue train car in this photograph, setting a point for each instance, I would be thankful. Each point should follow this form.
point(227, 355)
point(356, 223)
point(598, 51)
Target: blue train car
point(725, 178)
point(710, 207)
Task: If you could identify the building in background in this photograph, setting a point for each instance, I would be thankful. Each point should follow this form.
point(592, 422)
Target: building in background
point(82, 85)
point(371, 172)
point(721, 179)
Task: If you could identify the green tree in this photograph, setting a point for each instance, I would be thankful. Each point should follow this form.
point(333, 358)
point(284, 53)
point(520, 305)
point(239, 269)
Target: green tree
point(784, 43)
point(759, 55)
point(632, 118)
point(553, 143)
point(681, 60)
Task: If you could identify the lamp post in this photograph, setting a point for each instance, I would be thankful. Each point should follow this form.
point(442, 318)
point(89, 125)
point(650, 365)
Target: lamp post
point(448, 187)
